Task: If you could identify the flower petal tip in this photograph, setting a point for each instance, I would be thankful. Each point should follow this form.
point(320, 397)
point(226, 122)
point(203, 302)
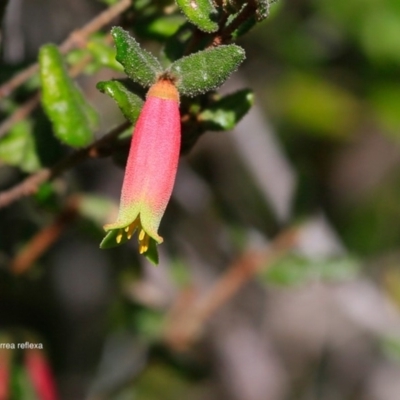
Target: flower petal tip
point(110, 240)
point(114, 238)
point(152, 252)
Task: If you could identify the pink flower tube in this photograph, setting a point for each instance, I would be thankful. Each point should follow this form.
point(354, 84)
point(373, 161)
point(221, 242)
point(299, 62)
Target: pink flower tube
point(40, 375)
point(5, 374)
point(150, 171)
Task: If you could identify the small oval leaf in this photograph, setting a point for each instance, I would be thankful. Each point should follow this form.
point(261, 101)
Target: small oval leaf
point(206, 70)
point(141, 66)
point(226, 112)
point(129, 103)
point(18, 148)
point(73, 119)
point(201, 13)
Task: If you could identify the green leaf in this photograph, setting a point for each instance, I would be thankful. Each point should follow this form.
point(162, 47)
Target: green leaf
point(73, 119)
point(206, 70)
point(104, 54)
point(201, 13)
point(96, 209)
point(391, 347)
point(385, 99)
point(242, 25)
point(149, 323)
point(22, 387)
point(243, 28)
point(385, 46)
point(316, 106)
point(129, 103)
point(160, 27)
point(141, 66)
point(163, 381)
point(226, 112)
point(263, 9)
point(18, 148)
point(46, 195)
point(109, 2)
point(296, 270)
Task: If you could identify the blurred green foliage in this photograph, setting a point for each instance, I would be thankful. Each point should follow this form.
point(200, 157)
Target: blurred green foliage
point(298, 270)
point(74, 120)
point(333, 81)
point(18, 148)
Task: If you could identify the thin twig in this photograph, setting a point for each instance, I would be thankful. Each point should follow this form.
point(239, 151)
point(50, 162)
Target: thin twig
point(31, 184)
point(224, 36)
point(185, 327)
point(75, 39)
point(42, 240)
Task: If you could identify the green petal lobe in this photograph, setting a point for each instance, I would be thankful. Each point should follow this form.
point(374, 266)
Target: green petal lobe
point(152, 252)
point(110, 240)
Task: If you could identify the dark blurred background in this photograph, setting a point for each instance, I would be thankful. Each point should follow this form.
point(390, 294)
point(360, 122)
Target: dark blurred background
point(318, 153)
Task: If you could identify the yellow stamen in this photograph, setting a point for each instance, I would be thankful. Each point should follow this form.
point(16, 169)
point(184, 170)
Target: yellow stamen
point(119, 237)
point(143, 242)
point(129, 230)
point(143, 247)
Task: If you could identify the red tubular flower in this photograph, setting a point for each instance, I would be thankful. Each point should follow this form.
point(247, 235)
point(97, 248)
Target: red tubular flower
point(4, 374)
point(150, 171)
point(40, 375)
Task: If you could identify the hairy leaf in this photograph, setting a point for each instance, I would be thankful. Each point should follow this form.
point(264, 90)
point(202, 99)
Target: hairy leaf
point(141, 66)
point(201, 13)
point(129, 103)
point(206, 70)
point(72, 117)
